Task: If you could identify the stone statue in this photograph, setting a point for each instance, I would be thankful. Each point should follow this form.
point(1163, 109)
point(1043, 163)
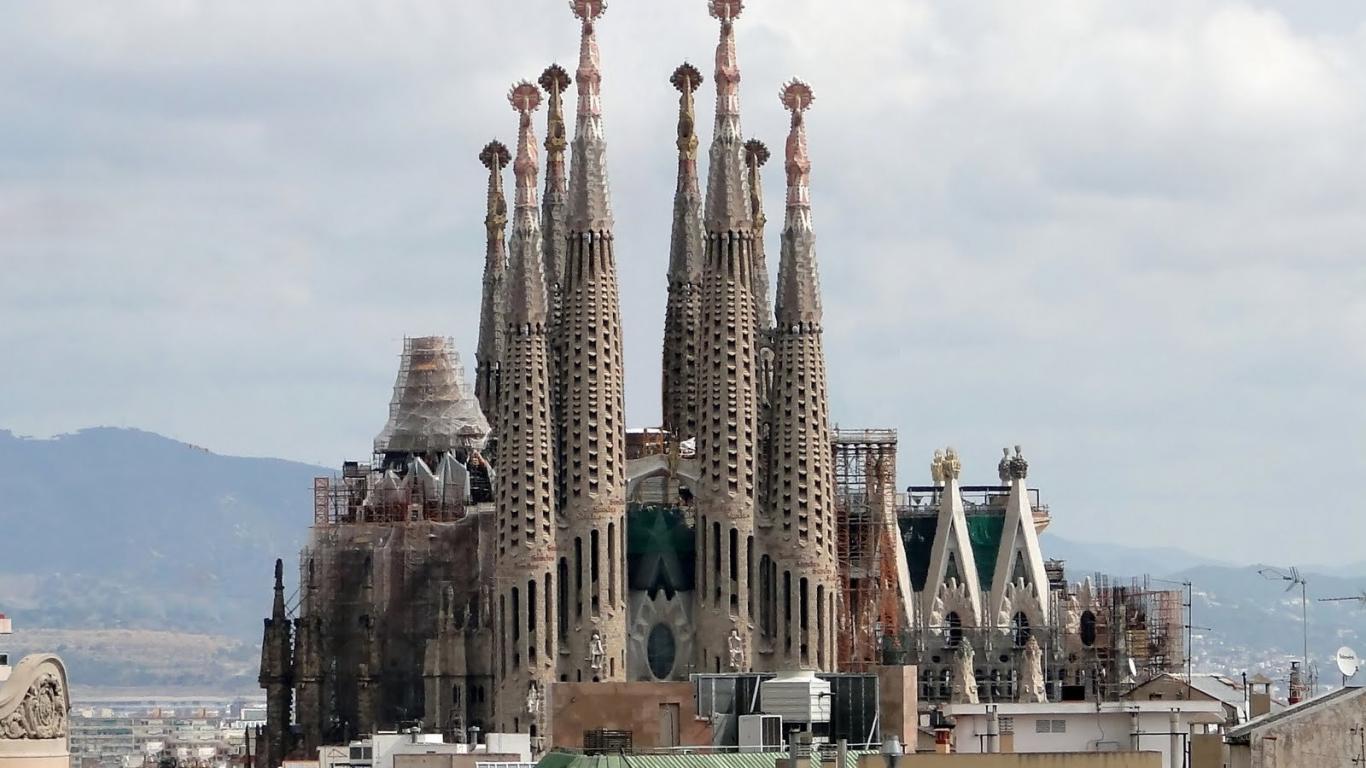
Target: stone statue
point(937, 467)
point(1072, 621)
point(533, 700)
point(1003, 466)
point(736, 647)
point(1018, 467)
point(1031, 673)
point(964, 676)
point(952, 466)
point(597, 652)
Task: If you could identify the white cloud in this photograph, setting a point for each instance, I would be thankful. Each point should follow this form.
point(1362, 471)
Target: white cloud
point(1123, 234)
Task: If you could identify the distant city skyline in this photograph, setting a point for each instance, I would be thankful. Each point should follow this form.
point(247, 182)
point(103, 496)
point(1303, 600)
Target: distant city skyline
point(1124, 237)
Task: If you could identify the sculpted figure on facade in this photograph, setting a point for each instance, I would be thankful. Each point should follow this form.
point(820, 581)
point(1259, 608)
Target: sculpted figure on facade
point(597, 652)
point(937, 467)
point(1031, 673)
point(1018, 467)
point(736, 650)
point(952, 466)
point(1003, 466)
point(964, 675)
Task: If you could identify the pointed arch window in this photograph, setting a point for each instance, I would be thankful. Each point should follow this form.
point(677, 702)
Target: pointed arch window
point(1019, 629)
point(1088, 628)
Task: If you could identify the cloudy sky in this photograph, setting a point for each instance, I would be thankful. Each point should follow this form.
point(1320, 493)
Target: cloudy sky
point(1128, 236)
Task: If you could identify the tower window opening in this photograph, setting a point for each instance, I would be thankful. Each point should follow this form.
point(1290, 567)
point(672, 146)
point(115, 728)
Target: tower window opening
point(734, 572)
point(1088, 628)
point(562, 615)
point(749, 577)
point(1019, 629)
point(806, 633)
point(953, 632)
point(593, 567)
point(716, 561)
point(787, 612)
point(820, 626)
point(578, 577)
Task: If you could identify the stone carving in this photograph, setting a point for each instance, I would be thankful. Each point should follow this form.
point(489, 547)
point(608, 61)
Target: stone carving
point(34, 704)
point(533, 700)
point(952, 466)
point(964, 676)
point(937, 467)
point(597, 652)
point(736, 649)
point(1003, 466)
point(1019, 468)
point(1031, 673)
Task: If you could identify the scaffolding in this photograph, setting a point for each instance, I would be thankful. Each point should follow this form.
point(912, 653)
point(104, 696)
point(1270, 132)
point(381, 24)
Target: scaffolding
point(865, 508)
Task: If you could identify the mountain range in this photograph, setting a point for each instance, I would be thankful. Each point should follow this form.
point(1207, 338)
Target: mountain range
point(147, 563)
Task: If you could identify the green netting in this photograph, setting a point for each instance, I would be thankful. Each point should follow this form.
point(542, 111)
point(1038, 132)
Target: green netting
point(653, 529)
point(984, 533)
point(917, 538)
point(659, 549)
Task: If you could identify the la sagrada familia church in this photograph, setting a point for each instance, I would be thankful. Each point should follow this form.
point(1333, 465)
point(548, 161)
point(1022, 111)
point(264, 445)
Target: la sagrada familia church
point(515, 534)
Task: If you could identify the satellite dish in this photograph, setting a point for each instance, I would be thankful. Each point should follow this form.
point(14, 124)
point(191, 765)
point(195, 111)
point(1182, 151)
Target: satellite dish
point(1347, 660)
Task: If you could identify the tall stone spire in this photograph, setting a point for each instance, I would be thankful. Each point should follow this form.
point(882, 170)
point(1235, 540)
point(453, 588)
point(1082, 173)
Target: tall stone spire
point(728, 411)
point(554, 222)
point(593, 429)
point(277, 676)
point(801, 485)
point(686, 249)
point(524, 562)
point(488, 356)
point(756, 154)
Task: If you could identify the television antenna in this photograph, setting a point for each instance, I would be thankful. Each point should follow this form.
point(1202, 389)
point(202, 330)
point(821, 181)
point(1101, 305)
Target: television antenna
point(1359, 599)
point(1295, 579)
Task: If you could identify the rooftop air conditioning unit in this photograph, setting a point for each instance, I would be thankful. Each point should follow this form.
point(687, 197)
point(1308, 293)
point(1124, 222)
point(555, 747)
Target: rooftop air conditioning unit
point(761, 733)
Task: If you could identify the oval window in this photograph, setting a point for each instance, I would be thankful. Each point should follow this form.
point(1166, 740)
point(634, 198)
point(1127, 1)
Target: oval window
point(661, 651)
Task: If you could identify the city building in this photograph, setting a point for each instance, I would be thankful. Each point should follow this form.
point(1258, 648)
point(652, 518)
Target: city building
point(1328, 730)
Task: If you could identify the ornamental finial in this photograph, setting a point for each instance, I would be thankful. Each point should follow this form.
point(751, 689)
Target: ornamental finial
point(589, 74)
point(495, 157)
point(686, 79)
point(727, 63)
point(796, 96)
point(725, 10)
point(555, 81)
point(525, 98)
point(756, 153)
point(588, 10)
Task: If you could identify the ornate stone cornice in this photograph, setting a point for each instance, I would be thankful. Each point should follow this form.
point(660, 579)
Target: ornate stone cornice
point(34, 702)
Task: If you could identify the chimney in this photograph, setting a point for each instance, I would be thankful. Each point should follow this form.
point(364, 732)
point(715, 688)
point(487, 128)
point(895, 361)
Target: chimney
point(943, 732)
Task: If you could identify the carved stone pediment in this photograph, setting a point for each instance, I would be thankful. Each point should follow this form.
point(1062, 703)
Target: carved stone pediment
point(34, 702)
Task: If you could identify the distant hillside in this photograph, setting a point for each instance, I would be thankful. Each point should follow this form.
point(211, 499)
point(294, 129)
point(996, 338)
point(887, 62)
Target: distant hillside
point(121, 529)
point(147, 562)
point(1243, 621)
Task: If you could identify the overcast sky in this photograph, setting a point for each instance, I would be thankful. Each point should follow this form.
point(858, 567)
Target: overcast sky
point(1126, 235)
